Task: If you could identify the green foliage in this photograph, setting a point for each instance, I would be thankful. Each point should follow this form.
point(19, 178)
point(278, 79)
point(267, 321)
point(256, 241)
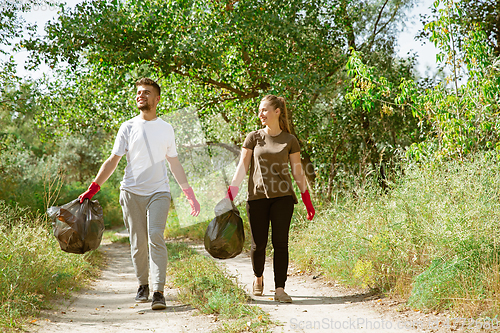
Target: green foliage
point(55, 178)
point(456, 118)
point(485, 14)
point(205, 286)
point(433, 238)
point(467, 15)
point(33, 269)
point(12, 25)
point(462, 119)
point(41, 164)
point(221, 57)
point(434, 287)
point(367, 130)
point(197, 231)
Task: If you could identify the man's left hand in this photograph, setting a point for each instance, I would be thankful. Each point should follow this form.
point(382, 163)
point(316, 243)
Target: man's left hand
point(195, 205)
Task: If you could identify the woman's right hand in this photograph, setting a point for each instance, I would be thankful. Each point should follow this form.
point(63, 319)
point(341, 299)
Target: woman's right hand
point(232, 192)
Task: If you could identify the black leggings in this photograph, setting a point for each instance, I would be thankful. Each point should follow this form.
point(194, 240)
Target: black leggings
point(279, 211)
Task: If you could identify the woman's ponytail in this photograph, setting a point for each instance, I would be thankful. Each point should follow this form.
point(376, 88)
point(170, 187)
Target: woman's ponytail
point(284, 124)
point(280, 103)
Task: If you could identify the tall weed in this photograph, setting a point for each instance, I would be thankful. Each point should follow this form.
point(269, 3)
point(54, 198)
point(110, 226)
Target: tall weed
point(33, 269)
point(433, 239)
point(205, 286)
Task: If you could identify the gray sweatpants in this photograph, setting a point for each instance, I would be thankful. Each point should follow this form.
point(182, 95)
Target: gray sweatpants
point(145, 218)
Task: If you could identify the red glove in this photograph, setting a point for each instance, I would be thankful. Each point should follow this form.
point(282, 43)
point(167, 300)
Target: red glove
point(232, 192)
point(195, 205)
point(93, 189)
point(306, 199)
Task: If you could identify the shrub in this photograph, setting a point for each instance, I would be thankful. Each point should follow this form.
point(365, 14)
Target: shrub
point(433, 238)
point(33, 269)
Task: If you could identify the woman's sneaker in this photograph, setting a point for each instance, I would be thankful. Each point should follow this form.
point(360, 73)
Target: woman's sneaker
point(142, 293)
point(158, 301)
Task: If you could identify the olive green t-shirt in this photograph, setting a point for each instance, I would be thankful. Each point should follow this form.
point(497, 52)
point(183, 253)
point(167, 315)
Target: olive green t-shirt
point(269, 167)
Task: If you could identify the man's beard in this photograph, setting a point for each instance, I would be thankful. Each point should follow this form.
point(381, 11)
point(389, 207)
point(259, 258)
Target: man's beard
point(145, 107)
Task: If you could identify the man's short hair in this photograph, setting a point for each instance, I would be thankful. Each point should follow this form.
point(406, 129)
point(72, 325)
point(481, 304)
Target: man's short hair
point(148, 82)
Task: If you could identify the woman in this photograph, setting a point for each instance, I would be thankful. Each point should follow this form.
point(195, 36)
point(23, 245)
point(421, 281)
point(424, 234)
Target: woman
point(270, 193)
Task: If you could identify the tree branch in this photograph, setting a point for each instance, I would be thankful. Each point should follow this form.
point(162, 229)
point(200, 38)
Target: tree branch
point(378, 18)
point(218, 84)
point(232, 148)
point(12, 100)
point(375, 31)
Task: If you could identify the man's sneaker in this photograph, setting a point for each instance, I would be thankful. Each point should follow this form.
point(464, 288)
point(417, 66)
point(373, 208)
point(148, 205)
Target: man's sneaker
point(142, 293)
point(158, 301)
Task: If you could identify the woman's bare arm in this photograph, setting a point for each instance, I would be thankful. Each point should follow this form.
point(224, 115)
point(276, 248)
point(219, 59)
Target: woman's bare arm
point(242, 168)
point(298, 172)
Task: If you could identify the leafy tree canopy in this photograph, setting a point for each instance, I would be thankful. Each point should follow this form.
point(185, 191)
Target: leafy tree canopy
point(222, 56)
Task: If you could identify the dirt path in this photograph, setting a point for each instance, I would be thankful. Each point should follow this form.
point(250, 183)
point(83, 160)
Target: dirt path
point(109, 305)
point(318, 307)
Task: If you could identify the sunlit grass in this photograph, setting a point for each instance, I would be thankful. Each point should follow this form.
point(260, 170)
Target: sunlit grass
point(33, 269)
point(205, 286)
point(433, 239)
point(114, 237)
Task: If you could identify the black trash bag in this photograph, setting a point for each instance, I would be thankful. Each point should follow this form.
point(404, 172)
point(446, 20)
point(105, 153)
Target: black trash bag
point(78, 227)
point(225, 235)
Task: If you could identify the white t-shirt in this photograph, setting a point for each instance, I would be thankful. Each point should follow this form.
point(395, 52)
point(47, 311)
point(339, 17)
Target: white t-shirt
point(146, 144)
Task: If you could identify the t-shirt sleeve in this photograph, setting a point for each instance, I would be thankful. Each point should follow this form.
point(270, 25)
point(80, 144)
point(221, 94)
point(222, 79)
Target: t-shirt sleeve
point(171, 147)
point(121, 142)
point(249, 142)
point(294, 145)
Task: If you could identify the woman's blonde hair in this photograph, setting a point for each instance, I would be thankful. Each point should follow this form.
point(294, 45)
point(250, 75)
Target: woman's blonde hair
point(279, 103)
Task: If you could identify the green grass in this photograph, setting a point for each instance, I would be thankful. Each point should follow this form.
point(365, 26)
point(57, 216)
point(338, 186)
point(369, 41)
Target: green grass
point(113, 237)
point(33, 269)
point(432, 240)
point(206, 287)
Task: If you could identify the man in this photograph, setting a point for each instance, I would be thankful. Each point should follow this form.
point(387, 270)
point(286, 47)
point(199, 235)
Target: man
point(144, 192)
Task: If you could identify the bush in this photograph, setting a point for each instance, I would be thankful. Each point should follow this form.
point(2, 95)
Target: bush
point(433, 238)
point(33, 269)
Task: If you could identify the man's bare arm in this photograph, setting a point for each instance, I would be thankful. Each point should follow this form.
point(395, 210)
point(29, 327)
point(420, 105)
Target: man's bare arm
point(107, 169)
point(178, 172)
